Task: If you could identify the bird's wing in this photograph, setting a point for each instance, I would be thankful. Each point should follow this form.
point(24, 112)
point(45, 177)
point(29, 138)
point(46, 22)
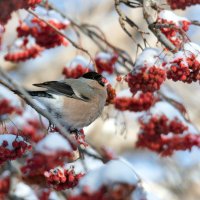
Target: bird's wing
point(61, 88)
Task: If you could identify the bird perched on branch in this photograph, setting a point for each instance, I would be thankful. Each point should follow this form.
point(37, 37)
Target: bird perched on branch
point(76, 102)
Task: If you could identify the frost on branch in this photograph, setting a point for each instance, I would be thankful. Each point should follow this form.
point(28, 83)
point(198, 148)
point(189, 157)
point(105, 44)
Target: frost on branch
point(44, 35)
point(148, 73)
point(174, 27)
point(164, 130)
point(114, 180)
point(8, 6)
point(62, 178)
point(49, 153)
point(105, 62)
point(185, 65)
point(12, 147)
point(174, 4)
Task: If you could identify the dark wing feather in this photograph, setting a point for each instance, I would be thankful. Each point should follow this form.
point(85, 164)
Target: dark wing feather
point(44, 94)
point(61, 88)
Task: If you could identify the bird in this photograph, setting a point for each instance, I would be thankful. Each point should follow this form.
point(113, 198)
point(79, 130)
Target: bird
point(75, 102)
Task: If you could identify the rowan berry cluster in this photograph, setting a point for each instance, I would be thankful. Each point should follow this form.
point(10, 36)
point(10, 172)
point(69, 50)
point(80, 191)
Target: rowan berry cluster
point(173, 27)
point(33, 130)
point(7, 7)
point(165, 133)
point(7, 108)
point(61, 179)
point(12, 147)
point(185, 66)
point(105, 62)
point(119, 192)
point(75, 71)
point(36, 165)
point(137, 103)
point(24, 51)
point(148, 79)
point(111, 94)
point(44, 35)
point(182, 4)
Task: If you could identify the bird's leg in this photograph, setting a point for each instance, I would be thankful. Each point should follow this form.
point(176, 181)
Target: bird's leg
point(51, 127)
point(74, 131)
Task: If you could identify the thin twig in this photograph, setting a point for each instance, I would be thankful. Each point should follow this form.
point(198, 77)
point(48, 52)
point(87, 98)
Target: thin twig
point(62, 34)
point(122, 19)
point(94, 36)
point(147, 12)
point(28, 99)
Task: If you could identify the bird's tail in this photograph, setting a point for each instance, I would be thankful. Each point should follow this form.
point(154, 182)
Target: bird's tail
point(36, 93)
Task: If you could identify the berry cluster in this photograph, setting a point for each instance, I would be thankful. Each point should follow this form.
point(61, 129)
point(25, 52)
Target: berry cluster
point(39, 163)
point(185, 69)
point(186, 142)
point(174, 26)
point(105, 62)
point(182, 4)
point(154, 134)
point(4, 186)
point(24, 54)
point(147, 79)
point(117, 192)
point(61, 179)
point(8, 6)
point(142, 102)
point(44, 35)
point(111, 94)
point(75, 71)
point(7, 108)
point(12, 148)
point(33, 131)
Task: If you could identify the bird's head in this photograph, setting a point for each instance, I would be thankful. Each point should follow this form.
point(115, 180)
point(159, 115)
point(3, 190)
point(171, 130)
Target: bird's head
point(95, 76)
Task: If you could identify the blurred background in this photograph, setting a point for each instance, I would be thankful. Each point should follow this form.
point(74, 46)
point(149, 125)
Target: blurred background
point(174, 178)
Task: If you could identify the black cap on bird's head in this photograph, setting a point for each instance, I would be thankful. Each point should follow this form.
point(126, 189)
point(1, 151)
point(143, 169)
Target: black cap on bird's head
point(95, 76)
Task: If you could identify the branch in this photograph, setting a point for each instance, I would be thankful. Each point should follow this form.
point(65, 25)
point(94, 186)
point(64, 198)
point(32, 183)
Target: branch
point(195, 22)
point(123, 18)
point(86, 29)
point(132, 4)
point(62, 34)
point(28, 99)
point(147, 12)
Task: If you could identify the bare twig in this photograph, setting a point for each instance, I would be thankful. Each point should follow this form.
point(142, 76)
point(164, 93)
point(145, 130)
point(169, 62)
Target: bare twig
point(62, 34)
point(123, 19)
point(132, 4)
point(147, 12)
point(28, 99)
point(195, 22)
point(99, 39)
